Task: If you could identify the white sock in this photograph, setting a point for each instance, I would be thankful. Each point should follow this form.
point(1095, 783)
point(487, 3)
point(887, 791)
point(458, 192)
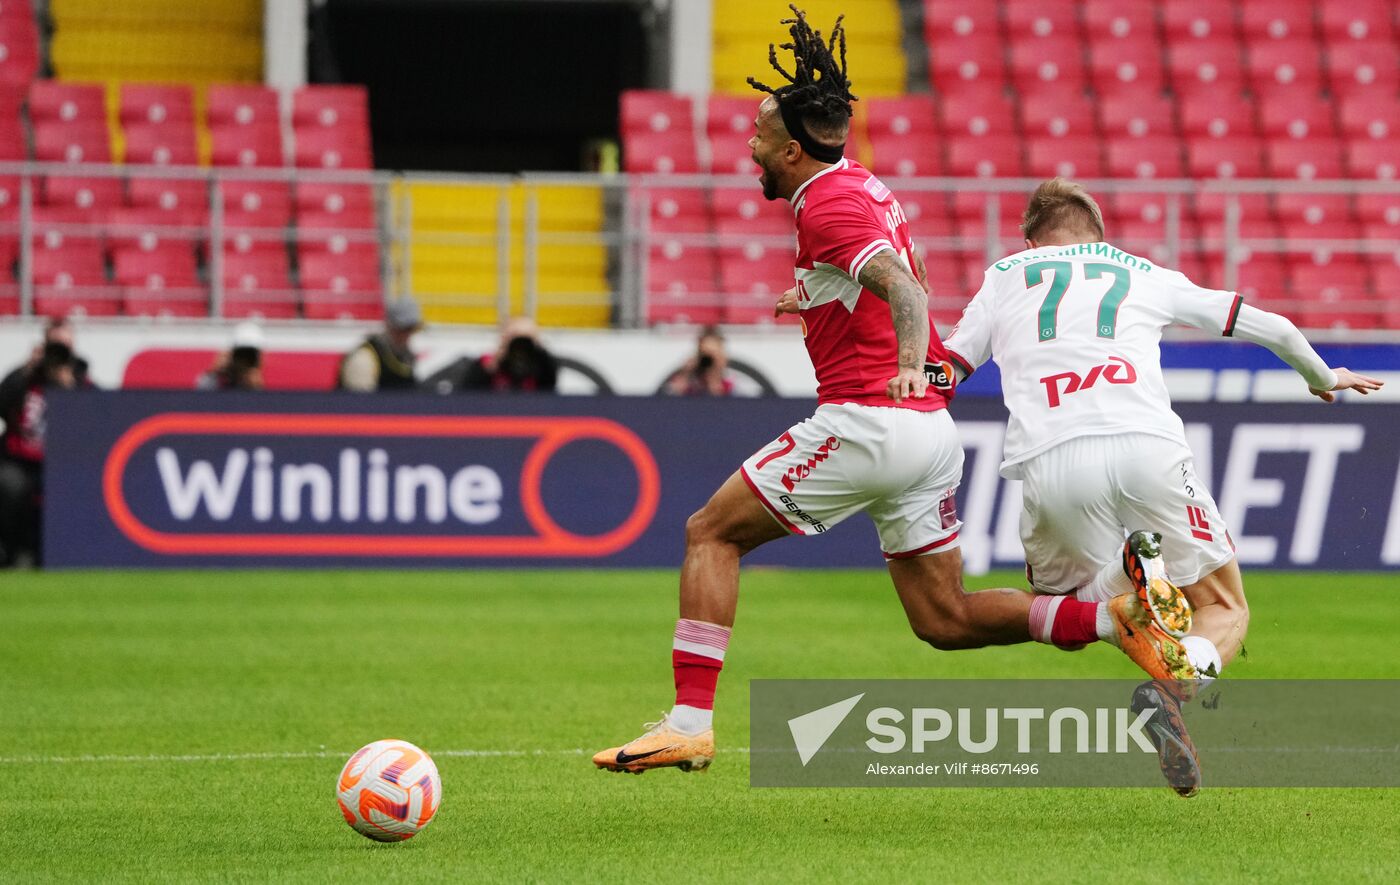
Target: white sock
point(1108, 583)
point(1204, 656)
point(691, 720)
point(1105, 627)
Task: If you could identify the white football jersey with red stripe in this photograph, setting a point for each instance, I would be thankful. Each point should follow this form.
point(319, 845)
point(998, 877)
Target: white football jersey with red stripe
point(1076, 332)
point(845, 216)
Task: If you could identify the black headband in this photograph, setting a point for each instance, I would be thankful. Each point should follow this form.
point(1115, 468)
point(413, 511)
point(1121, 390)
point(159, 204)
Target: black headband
point(792, 119)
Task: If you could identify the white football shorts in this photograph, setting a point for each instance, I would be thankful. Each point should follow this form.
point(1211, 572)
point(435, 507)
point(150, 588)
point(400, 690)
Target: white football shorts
point(1082, 497)
point(900, 466)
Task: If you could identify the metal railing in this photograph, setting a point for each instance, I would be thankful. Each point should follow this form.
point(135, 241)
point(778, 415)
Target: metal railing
point(500, 251)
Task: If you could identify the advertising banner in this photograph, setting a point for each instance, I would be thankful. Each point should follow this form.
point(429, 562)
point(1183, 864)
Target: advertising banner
point(229, 479)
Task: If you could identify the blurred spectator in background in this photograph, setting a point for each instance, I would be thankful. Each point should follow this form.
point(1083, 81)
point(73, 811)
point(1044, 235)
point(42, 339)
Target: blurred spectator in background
point(240, 368)
point(24, 407)
point(707, 372)
point(521, 362)
point(384, 361)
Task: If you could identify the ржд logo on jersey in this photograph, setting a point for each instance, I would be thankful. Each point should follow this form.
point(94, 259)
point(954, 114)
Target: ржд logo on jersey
point(1116, 371)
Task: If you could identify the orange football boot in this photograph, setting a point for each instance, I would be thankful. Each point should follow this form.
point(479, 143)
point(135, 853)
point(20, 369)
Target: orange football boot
point(661, 747)
point(1143, 564)
point(1157, 652)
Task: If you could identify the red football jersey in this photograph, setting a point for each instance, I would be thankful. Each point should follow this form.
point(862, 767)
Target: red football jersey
point(845, 216)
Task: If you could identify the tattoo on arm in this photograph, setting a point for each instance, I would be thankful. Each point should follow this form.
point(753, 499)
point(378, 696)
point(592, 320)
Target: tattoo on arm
point(890, 280)
point(921, 270)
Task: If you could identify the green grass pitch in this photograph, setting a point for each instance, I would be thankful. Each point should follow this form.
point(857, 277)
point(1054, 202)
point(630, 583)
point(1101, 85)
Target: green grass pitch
point(246, 691)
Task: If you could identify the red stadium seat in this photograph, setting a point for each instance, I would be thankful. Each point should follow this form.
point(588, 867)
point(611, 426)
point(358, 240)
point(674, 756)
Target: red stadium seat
point(52, 101)
point(93, 197)
point(1316, 217)
point(247, 146)
point(1261, 277)
point(330, 149)
point(188, 198)
point(1134, 20)
point(325, 205)
point(1231, 157)
point(242, 105)
point(258, 284)
point(1375, 158)
point(756, 271)
point(955, 62)
point(156, 104)
point(1305, 158)
point(1116, 64)
point(58, 142)
point(674, 210)
point(970, 208)
point(730, 156)
point(161, 145)
point(1068, 157)
point(743, 212)
point(1285, 117)
point(1145, 158)
point(1222, 116)
point(1207, 68)
point(342, 107)
point(1057, 114)
point(952, 18)
point(1277, 20)
point(1210, 208)
point(1373, 113)
point(1136, 114)
point(1335, 294)
point(665, 152)
point(907, 157)
point(160, 282)
point(681, 285)
point(1041, 63)
point(71, 279)
point(1185, 20)
point(1385, 283)
point(341, 286)
point(978, 110)
point(1364, 67)
point(898, 117)
point(1056, 19)
point(149, 230)
point(987, 157)
point(256, 204)
point(1290, 66)
point(730, 116)
point(1359, 20)
point(654, 110)
point(62, 228)
point(19, 49)
point(1380, 216)
point(20, 9)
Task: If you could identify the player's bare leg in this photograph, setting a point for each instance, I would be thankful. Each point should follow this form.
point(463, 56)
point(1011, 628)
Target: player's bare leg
point(717, 536)
point(946, 616)
point(1221, 612)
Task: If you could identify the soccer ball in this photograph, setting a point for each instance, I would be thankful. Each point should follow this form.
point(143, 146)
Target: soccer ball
point(389, 790)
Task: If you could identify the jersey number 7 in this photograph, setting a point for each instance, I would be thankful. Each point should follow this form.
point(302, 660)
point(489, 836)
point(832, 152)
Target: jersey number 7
point(1061, 272)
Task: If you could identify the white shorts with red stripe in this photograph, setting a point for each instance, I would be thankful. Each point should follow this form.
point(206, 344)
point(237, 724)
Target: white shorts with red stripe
point(900, 466)
point(1081, 497)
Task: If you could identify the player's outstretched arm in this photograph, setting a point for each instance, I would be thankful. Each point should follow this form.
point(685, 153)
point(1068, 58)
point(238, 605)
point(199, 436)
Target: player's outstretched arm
point(889, 278)
point(1347, 380)
point(1283, 338)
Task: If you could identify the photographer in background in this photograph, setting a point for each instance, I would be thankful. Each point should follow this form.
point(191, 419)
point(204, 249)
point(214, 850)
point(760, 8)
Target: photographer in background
point(240, 368)
point(385, 361)
point(24, 407)
point(707, 372)
point(520, 363)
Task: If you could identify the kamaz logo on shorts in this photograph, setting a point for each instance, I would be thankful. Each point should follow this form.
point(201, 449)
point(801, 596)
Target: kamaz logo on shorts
point(799, 472)
point(796, 511)
point(1116, 371)
point(940, 375)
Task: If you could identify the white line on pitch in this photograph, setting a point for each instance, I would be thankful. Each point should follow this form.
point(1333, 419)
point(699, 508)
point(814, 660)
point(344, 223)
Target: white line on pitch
point(311, 754)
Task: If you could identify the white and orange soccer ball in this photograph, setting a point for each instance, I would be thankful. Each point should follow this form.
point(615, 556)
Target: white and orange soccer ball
point(389, 790)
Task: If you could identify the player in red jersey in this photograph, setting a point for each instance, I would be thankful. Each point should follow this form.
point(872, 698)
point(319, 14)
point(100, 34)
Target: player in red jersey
point(881, 440)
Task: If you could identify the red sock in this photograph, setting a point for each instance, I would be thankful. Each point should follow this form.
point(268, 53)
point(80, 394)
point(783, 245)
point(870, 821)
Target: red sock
point(697, 654)
point(1064, 621)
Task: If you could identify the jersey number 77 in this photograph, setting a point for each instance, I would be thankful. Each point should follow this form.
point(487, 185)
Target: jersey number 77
point(1061, 273)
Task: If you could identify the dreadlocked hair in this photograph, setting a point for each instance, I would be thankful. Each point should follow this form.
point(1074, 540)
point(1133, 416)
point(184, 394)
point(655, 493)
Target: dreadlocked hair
point(818, 89)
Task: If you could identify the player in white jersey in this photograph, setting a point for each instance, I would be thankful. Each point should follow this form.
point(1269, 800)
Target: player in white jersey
point(1075, 323)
